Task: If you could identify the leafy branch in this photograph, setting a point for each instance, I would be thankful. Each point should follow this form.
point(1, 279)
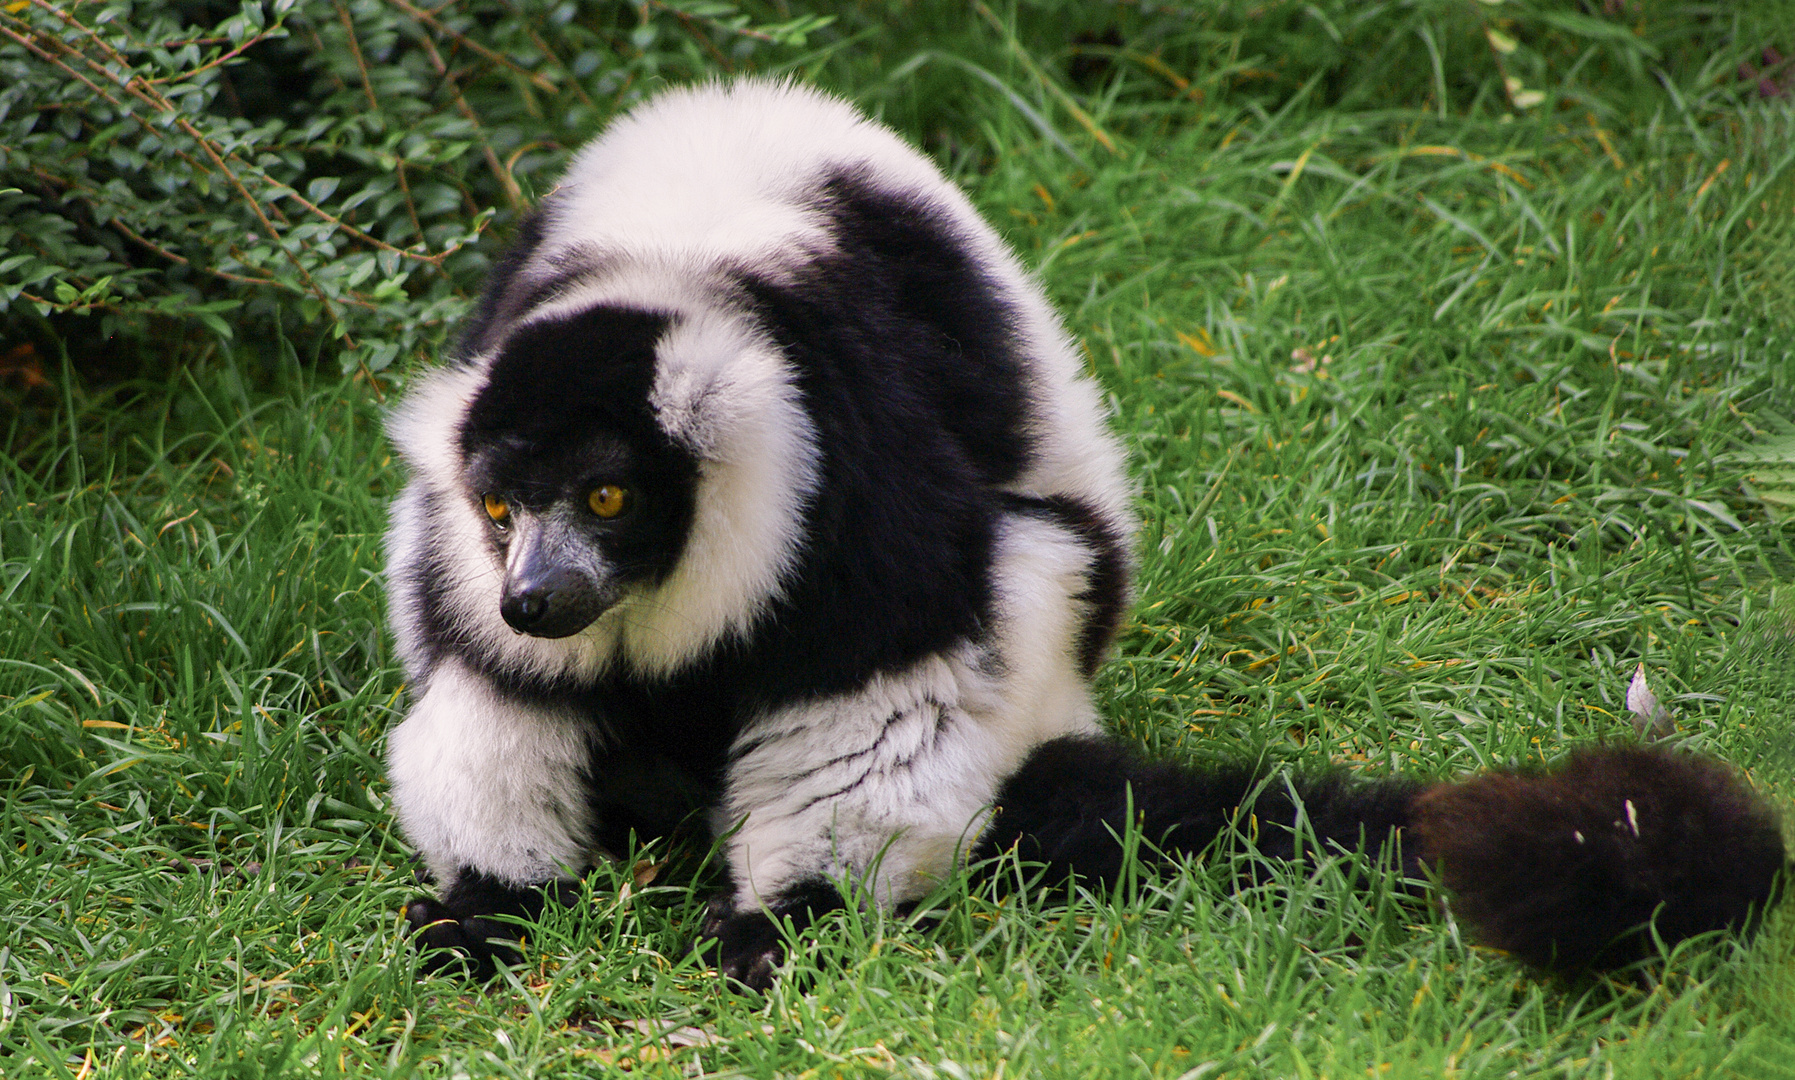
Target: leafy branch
point(327, 165)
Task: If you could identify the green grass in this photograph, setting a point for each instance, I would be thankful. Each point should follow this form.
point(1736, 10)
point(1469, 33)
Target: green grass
point(1446, 416)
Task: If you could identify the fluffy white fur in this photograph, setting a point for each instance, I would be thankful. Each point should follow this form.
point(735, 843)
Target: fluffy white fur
point(725, 393)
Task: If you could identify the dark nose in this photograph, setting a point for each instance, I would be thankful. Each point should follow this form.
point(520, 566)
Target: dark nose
point(526, 610)
point(553, 604)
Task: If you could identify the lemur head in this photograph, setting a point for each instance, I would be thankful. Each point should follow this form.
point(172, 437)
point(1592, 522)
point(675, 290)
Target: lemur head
point(585, 492)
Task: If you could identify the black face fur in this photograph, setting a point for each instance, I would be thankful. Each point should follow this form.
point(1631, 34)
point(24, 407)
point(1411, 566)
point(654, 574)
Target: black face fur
point(564, 413)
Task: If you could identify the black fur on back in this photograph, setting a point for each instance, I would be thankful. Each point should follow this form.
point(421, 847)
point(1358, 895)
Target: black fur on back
point(925, 320)
point(904, 357)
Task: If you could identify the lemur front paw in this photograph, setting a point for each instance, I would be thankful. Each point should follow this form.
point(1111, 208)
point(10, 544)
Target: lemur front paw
point(748, 947)
point(469, 943)
point(460, 930)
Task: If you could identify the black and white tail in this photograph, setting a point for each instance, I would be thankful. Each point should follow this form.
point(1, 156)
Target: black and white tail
point(1569, 870)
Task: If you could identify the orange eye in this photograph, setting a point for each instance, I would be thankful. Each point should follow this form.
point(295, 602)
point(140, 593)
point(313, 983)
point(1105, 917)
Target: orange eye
point(496, 509)
point(609, 500)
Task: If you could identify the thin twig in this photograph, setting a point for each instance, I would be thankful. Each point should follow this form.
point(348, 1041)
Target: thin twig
point(578, 90)
point(241, 279)
point(411, 208)
point(514, 195)
point(255, 207)
point(318, 211)
point(739, 31)
point(222, 58)
point(318, 49)
point(539, 81)
point(361, 64)
point(697, 32)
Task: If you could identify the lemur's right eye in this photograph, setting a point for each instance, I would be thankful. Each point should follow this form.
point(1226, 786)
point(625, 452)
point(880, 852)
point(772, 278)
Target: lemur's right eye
point(496, 509)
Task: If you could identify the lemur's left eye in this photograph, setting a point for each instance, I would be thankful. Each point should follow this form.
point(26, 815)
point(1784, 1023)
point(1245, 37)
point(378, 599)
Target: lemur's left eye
point(609, 500)
point(496, 509)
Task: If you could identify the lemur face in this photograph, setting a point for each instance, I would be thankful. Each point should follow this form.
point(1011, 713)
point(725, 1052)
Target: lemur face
point(584, 493)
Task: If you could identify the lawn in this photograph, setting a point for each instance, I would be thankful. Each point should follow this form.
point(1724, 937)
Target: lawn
point(1454, 346)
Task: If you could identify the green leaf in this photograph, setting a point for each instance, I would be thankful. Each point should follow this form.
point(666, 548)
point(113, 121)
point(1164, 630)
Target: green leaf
point(215, 324)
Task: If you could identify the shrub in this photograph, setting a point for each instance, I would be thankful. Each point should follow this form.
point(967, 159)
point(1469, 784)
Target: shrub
point(323, 168)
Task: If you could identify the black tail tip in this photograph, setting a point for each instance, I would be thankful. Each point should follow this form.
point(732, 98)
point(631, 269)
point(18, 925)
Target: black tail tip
point(1577, 868)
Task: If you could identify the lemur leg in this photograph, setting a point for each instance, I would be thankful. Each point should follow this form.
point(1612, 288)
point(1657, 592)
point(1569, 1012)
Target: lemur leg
point(883, 788)
point(890, 786)
point(493, 793)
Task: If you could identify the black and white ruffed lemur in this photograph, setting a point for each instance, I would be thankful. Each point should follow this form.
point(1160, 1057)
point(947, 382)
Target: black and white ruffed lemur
point(766, 483)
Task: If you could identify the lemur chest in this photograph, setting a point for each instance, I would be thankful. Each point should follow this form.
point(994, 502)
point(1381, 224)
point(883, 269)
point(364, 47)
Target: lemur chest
point(661, 758)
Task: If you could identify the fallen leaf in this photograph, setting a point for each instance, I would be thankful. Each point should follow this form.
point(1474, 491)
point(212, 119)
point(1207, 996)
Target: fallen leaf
point(1650, 719)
